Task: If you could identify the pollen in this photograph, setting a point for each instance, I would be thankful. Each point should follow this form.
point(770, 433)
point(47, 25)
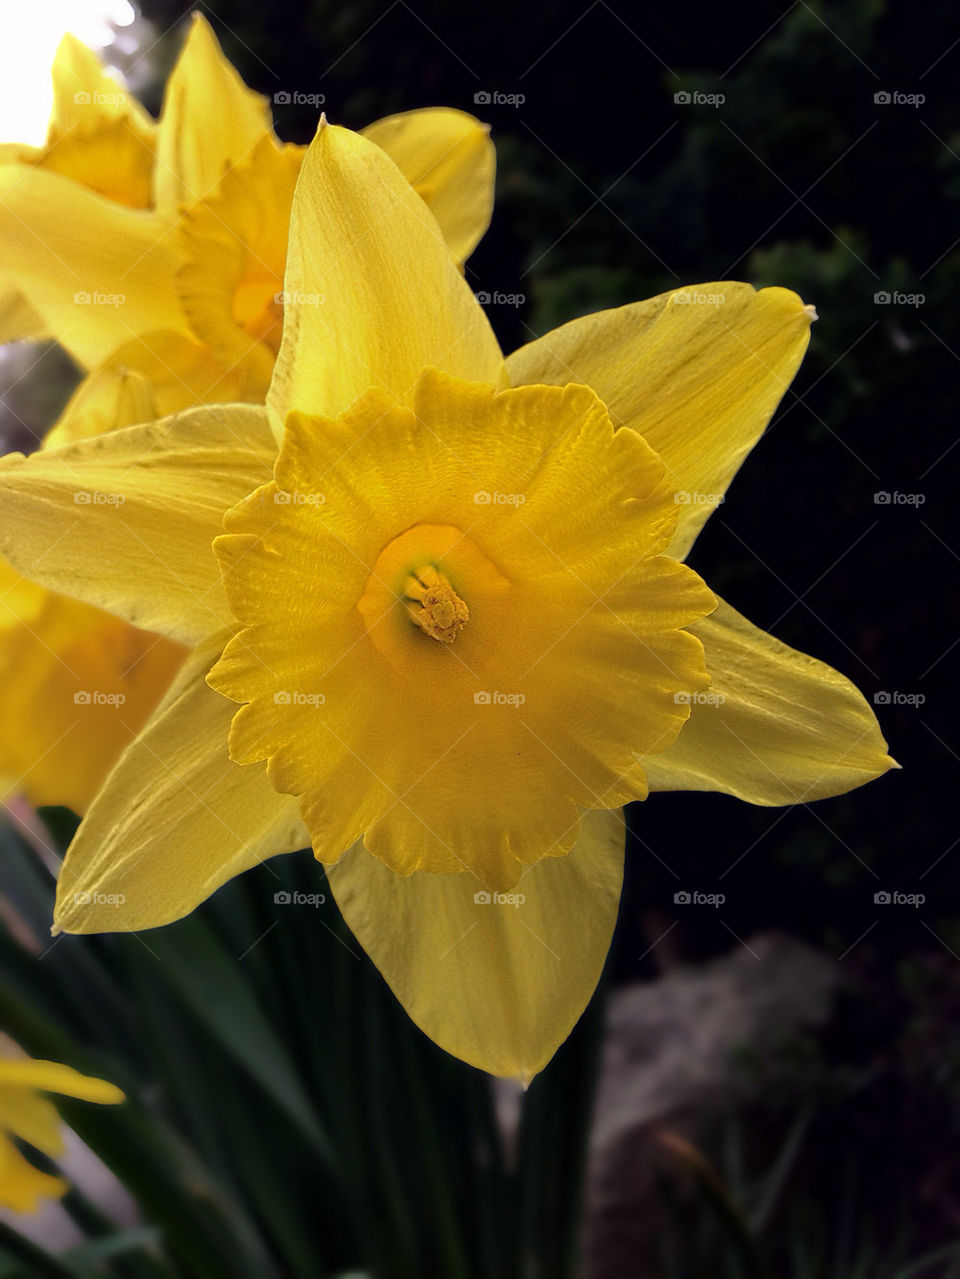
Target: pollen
point(434, 605)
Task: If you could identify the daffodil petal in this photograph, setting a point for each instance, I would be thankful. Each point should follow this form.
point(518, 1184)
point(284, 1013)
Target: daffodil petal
point(126, 521)
point(372, 293)
point(76, 685)
point(96, 272)
point(698, 372)
point(21, 1185)
point(175, 819)
point(108, 398)
point(83, 88)
point(775, 727)
point(19, 321)
point(449, 160)
point(497, 983)
point(30, 1117)
point(53, 1076)
point(210, 120)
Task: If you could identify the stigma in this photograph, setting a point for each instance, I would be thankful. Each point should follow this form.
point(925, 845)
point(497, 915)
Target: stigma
point(434, 605)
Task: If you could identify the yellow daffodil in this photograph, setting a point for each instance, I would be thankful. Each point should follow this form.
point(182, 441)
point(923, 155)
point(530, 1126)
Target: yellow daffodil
point(26, 1116)
point(442, 627)
point(164, 279)
point(171, 260)
point(76, 683)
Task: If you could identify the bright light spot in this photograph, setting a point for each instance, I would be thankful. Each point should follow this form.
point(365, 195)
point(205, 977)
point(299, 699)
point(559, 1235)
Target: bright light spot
point(29, 35)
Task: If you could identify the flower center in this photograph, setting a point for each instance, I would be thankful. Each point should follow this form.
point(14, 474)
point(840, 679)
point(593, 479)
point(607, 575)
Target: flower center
point(418, 588)
point(434, 605)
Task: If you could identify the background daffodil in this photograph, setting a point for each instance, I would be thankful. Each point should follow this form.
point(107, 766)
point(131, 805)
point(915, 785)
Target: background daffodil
point(27, 1116)
point(375, 577)
point(172, 261)
point(165, 283)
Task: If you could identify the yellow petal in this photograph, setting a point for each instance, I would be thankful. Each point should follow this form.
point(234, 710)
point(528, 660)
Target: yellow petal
point(109, 397)
point(82, 89)
point(698, 372)
point(125, 521)
point(372, 293)
point(97, 273)
point(498, 984)
point(53, 1076)
point(76, 685)
point(210, 120)
point(106, 156)
point(175, 820)
point(21, 1185)
point(449, 160)
point(19, 321)
point(32, 1118)
point(775, 727)
point(180, 371)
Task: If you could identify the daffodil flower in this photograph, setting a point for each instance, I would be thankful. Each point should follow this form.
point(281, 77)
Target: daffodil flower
point(441, 622)
point(171, 261)
point(166, 280)
point(27, 1116)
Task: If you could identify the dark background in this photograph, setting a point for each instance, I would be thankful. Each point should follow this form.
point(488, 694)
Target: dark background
point(608, 191)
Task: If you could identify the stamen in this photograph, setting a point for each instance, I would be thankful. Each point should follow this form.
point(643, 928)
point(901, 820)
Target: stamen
point(434, 605)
